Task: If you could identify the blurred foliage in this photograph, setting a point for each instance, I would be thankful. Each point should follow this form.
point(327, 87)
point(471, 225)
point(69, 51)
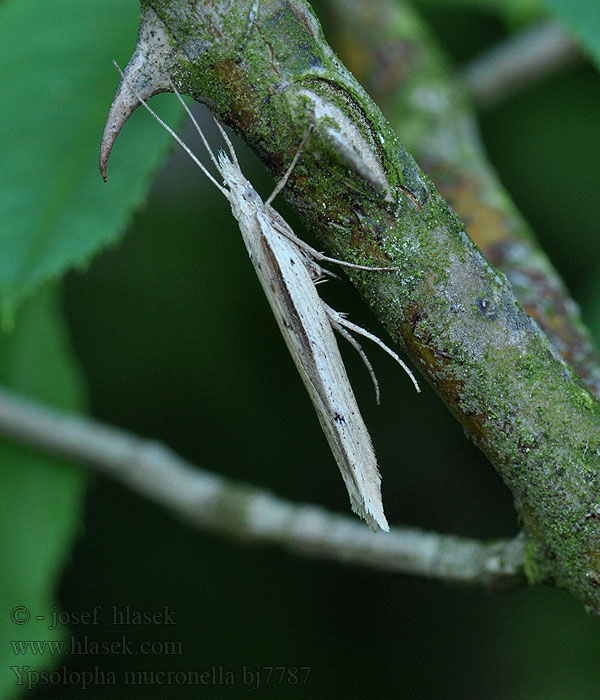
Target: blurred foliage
point(41, 497)
point(514, 13)
point(54, 210)
point(177, 342)
point(582, 18)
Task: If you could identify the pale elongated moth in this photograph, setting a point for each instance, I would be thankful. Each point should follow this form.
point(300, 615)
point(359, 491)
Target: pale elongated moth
point(288, 272)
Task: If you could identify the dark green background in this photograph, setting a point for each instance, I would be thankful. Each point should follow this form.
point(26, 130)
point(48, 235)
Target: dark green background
point(177, 343)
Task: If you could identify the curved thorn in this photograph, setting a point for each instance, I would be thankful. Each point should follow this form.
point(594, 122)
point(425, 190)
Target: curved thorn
point(146, 72)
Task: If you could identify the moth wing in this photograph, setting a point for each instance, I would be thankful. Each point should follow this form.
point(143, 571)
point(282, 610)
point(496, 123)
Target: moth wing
point(306, 328)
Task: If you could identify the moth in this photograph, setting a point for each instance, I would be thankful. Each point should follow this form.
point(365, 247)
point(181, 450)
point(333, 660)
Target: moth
point(288, 270)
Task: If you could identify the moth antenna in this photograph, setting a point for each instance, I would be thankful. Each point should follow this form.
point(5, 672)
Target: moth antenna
point(196, 126)
point(227, 140)
point(282, 183)
point(357, 346)
point(361, 331)
point(174, 135)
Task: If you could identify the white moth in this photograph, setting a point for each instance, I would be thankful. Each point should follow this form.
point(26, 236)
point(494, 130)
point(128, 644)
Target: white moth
point(288, 271)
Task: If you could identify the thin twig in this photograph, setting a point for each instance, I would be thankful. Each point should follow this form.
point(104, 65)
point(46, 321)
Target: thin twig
point(244, 512)
point(521, 60)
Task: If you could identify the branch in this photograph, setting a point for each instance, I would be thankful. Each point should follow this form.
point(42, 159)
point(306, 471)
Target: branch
point(406, 75)
point(265, 69)
point(244, 512)
point(518, 62)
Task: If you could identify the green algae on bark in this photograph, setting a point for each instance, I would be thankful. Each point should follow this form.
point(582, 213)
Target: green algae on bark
point(391, 52)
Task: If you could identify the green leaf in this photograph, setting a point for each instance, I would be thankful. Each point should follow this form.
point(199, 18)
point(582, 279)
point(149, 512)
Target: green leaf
point(40, 497)
point(582, 19)
point(55, 211)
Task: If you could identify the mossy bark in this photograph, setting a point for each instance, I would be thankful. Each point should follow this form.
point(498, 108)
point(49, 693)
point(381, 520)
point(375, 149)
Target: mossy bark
point(264, 68)
point(388, 48)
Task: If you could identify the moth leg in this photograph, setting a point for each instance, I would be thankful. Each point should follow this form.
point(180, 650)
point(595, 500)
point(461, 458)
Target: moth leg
point(340, 320)
point(286, 176)
point(314, 253)
point(357, 346)
point(325, 272)
point(321, 257)
point(317, 273)
point(286, 231)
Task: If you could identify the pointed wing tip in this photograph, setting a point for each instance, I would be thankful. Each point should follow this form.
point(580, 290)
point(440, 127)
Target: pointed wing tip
point(374, 517)
point(381, 523)
point(376, 524)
